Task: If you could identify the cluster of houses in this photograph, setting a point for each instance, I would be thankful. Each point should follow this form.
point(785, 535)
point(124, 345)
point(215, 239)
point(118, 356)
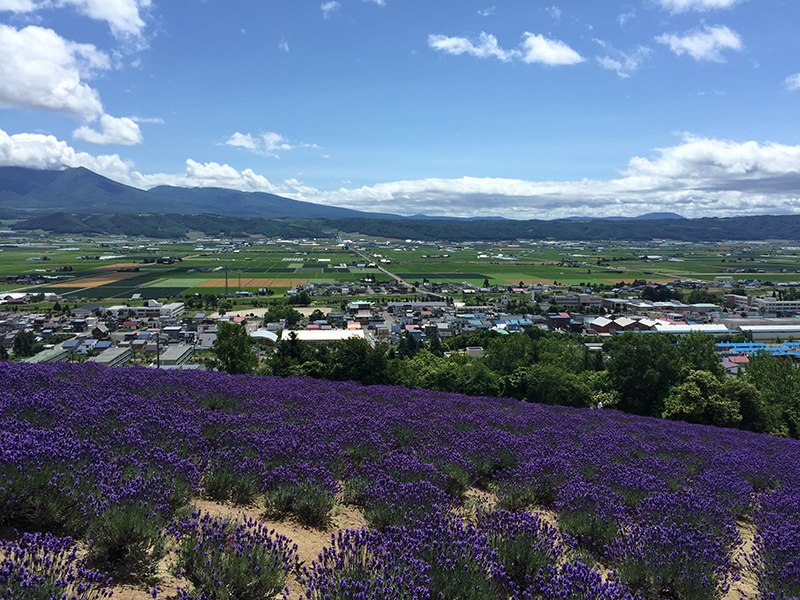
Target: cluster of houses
point(163, 335)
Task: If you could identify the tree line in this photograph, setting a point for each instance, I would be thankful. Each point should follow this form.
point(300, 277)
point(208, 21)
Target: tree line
point(651, 374)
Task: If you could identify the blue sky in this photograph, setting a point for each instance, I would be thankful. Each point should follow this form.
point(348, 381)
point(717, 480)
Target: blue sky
point(443, 107)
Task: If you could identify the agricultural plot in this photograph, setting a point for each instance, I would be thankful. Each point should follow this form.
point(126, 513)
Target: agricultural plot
point(280, 268)
point(522, 501)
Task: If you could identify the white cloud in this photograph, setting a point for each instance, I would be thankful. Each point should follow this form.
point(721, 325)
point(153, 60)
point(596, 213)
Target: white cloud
point(22, 6)
point(486, 46)
point(793, 82)
point(266, 144)
point(539, 49)
point(698, 177)
point(554, 12)
point(707, 44)
point(115, 130)
point(329, 7)
point(378, 2)
point(284, 45)
point(40, 69)
point(36, 151)
point(241, 140)
point(123, 16)
point(210, 174)
point(623, 63)
point(487, 12)
point(681, 6)
point(153, 120)
point(534, 49)
point(623, 18)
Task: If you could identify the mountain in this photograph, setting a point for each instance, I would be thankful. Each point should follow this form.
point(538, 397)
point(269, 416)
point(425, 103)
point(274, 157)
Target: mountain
point(79, 191)
point(220, 201)
point(656, 216)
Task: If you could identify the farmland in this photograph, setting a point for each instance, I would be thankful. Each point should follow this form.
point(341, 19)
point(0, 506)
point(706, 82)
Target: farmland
point(520, 500)
point(202, 267)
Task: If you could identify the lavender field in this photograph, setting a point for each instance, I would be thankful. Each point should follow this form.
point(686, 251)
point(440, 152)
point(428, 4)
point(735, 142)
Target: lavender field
point(99, 469)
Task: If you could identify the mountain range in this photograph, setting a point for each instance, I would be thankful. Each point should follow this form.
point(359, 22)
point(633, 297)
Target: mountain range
point(78, 201)
point(30, 193)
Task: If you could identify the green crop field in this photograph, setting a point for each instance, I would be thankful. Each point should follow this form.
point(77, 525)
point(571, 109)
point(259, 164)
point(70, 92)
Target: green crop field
point(201, 267)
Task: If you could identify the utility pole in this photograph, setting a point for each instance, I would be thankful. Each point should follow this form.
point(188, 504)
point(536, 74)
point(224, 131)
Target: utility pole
point(158, 350)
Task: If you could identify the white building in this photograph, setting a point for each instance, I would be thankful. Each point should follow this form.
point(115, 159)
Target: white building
point(153, 310)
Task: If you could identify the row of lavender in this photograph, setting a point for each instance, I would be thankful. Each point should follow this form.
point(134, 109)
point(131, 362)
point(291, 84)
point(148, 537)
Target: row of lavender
point(115, 455)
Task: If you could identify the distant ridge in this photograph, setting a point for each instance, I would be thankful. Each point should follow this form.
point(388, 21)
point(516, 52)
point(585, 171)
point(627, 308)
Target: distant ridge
point(656, 216)
point(29, 192)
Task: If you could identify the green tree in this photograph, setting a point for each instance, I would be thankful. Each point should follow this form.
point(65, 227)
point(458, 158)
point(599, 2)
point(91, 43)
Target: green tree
point(642, 367)
point(779, 383)
point(702, 296)
point(354, 359)
point(506, 353)
point(285, 313)
point(300, 299)
point(233, 350)
point(317, 315)
point(210, 300)
point(696, 352)
point(701, 399)
point(548, 384)
point(24, 344)
point(563, 351)
point(3, 352)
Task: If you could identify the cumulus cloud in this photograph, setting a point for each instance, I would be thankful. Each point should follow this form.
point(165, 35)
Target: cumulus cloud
point(487, 12)
point(42, 70)
point(539, 49)
point(36, 151)
point(698, 177)
point(267, 144)
point(210, 174)
point(625, 64)
point(706, 44)
point(329, 7)
point(793, 82)
point(535, 48)
point(486, 46)
point(124, 17)
point(681, 6)
point(114, 130)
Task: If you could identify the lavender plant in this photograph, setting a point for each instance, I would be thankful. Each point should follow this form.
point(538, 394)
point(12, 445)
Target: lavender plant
point(42, 567)
point(225, 560)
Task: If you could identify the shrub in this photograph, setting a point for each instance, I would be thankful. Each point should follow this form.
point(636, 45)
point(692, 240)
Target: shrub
point(126, 541)
point(231, 561)
point(42, 567)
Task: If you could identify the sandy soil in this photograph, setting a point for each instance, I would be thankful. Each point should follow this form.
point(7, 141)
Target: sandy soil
point(310, 542)
point(260, 312)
